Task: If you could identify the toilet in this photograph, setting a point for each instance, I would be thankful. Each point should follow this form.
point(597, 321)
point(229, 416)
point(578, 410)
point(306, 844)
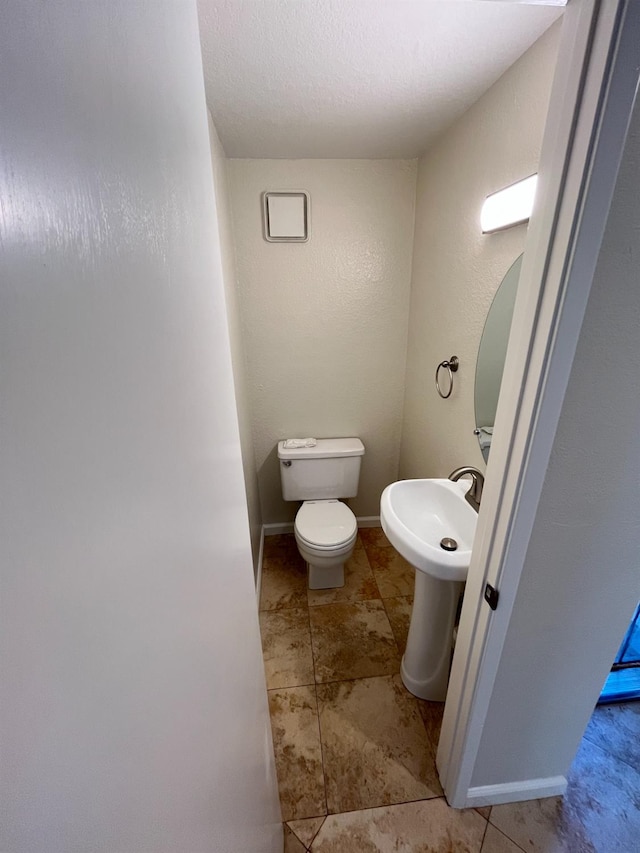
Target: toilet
point(325, 528)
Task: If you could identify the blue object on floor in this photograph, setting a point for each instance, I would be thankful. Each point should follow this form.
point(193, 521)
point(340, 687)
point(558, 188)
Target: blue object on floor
point(623, 682)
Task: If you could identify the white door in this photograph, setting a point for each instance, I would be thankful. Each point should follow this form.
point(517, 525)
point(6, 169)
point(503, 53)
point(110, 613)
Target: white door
point(590, 109)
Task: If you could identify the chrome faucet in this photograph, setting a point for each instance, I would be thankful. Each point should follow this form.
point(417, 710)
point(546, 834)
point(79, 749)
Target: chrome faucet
point(474, 494)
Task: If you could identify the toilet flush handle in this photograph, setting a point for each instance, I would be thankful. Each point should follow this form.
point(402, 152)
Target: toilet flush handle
point(286, 463)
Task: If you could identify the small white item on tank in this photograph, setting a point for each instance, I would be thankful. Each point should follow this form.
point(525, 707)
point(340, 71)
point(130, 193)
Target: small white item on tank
point(292, 443)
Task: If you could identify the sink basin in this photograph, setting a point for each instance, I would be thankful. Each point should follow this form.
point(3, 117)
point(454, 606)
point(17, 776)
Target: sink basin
point(417, 514)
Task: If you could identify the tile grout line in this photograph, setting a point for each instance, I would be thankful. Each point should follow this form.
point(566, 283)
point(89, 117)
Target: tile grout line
point(324, 775)
point(337, 681)
point(392, 806)
point(297, 610)
point(508, 837)
point(343, 601)
point(415, 698)
point(307, 847)
point(357, 599)
point(317, 683)
point(315, 691)
point(395, 639)
point(313, 654)
point(484, 834)
point(357, 678)
point(400, 651)
point(350, 601)
point(289, 687)
point(317, 832)
point(385, 806)
point(373, 574)
point(280, 609)
point(610, 753)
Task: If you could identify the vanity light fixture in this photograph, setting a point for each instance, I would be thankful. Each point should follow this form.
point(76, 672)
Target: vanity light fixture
point(510, 206)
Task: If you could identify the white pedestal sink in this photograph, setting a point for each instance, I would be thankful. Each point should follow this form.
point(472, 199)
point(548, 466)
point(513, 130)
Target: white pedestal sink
point(416, 516)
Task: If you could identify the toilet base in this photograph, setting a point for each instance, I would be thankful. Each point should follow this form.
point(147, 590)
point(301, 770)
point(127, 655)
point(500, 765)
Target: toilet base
point(325, 570)
point(325, 577)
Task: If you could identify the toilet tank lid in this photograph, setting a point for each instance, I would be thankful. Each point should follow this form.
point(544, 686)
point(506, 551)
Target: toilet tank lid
point(324, 449)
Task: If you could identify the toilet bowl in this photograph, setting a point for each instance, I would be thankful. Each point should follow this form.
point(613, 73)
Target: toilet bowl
point(325, 532)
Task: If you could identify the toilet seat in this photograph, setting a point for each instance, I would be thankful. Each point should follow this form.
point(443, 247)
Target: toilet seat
point(325, 525)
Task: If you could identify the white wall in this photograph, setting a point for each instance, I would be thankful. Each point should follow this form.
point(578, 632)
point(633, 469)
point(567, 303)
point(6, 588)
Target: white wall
point(227, 251)
point(579, 584)
point(325, 322)
point(134, 710)
point(456, 269)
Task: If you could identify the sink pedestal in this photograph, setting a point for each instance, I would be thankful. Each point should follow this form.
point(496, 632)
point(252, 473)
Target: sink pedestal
point(427, 658)
point(418, 516)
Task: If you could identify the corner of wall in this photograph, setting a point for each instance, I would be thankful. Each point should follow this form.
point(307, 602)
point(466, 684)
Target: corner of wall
point(325, 322)
point(456, 270)
point(243, 405)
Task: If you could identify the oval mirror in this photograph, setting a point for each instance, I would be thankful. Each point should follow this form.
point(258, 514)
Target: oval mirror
point(491, 356)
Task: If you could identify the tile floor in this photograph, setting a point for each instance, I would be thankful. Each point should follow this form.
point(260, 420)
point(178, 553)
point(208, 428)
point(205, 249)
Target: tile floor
point(355, 751)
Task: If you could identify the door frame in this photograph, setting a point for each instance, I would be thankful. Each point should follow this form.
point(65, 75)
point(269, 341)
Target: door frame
point(589, 112)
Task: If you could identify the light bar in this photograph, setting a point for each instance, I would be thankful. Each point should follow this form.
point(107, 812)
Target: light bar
point(510, 206)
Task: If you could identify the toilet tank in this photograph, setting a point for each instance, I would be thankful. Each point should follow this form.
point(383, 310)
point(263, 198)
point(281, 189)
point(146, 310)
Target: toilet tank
point(331, 469)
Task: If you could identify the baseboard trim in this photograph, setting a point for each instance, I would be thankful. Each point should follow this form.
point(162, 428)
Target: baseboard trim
point(260, 561)
point(368, 521)
point(514, 792)
point(277, 528)
point(287, 526)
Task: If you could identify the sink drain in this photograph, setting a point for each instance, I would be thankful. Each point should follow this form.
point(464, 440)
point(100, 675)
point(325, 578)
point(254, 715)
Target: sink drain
point(448, 544)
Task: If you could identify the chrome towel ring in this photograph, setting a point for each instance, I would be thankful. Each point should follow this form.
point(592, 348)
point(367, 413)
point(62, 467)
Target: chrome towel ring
point(452, 366)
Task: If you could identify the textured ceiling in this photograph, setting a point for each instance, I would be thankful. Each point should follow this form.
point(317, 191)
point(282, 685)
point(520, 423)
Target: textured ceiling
point(353, 78)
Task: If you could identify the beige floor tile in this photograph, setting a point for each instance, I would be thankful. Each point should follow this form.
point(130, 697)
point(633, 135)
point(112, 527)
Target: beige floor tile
point(600, 813)
point(616, 728)
point(496, 842)
point(292, 843)
point(306, 830)
point(279, 546)
point(296, 741)
point(352, 640)
point(547, 825)
point(399, 613)
point(286, 647)
point(375, 747)
point(374, 536)
point(359, 582)
point(392, 572)
point(425, 827)
point(431, 713)
point(284, 574)
point(485, 811)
